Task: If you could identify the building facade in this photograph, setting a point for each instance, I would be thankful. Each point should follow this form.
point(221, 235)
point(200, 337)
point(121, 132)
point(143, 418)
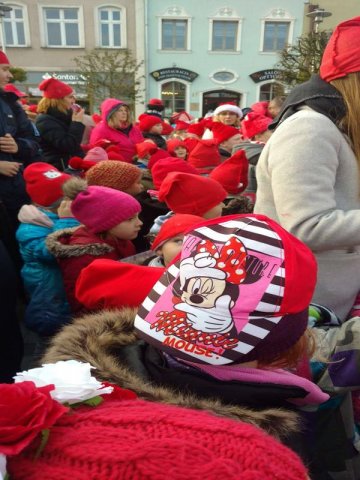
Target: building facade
point(198, 54)
point(44, 36)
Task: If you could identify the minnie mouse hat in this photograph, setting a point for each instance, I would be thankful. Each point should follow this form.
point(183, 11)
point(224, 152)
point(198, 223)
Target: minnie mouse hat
point(239, 292)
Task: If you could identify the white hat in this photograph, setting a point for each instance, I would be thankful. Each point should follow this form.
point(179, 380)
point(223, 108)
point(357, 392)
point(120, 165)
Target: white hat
point(228, 107)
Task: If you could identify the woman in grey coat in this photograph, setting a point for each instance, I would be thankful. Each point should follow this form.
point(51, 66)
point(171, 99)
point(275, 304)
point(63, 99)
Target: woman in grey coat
point(308, 174)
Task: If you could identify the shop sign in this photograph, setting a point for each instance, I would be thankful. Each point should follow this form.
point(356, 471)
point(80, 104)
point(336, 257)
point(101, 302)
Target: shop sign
point(174, 72)
point(265, 75)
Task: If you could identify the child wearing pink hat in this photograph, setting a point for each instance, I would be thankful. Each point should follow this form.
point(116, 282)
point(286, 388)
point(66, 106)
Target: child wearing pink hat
point(109, 221)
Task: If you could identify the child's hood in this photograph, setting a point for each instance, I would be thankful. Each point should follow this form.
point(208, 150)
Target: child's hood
point(34, 216)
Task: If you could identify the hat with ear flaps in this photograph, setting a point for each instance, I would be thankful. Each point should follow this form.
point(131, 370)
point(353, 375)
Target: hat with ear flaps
point(342, 53)
point(240, 292)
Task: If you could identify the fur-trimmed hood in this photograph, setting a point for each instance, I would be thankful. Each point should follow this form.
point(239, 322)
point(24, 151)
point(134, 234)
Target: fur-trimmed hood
point(58, 243)
point(98, 338)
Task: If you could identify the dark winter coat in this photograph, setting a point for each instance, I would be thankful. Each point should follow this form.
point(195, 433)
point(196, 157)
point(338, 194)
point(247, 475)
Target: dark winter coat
point(60, 137)
point(75, 248)
point(14, 121)
point(156, 138)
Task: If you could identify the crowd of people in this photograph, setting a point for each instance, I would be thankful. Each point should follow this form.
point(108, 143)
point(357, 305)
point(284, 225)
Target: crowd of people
point(211, 264)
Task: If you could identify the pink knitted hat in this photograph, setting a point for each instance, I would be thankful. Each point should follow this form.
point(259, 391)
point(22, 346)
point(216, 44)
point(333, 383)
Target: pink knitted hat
point(139, 440)
point(102, 208)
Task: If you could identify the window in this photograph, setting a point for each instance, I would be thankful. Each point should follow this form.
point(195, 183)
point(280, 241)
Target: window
point(112, 33)
point(277, 30)
point(173, 94)
point(276, 36)
point(270, 90)
point(224, 35)
point(14, 27)
point(62, 27)
point(174, 35)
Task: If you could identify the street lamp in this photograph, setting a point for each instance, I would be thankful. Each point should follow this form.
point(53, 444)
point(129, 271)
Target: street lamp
point(3, 10)
point(318, 16)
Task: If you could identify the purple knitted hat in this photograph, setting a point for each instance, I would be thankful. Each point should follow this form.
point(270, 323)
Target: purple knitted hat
point(102, 208)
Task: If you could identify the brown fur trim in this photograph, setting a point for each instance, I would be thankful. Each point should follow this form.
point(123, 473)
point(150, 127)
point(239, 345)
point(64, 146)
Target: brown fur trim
point(93, 337)
point(62, 250)
point(73, 187)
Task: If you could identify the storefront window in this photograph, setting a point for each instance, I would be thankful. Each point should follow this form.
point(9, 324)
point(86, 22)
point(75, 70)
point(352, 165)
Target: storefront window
point(173, 94)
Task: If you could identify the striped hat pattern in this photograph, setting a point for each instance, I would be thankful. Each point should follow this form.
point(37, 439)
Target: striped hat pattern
point(231, 293)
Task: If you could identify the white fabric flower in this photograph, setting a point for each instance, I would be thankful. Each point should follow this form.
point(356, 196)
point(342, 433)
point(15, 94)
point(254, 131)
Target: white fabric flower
point(72, 379)
point(2, 466)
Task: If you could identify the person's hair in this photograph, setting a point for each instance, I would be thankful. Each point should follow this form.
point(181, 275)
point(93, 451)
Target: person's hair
point(57, 103)
point(278, 100)
point(240, 204)
point(304, 347)
point(349, 87)
point(111, 121)
point(216, 118)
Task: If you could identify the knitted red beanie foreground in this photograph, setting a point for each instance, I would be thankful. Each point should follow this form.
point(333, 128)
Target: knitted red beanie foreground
point(138, 440)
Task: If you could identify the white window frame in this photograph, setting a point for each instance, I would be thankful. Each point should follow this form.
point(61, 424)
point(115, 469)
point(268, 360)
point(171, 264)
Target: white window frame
point(225, 14)
point(175, 13)
point(227, 82)
point(266, 82)
point(25, 22)
point(43, 29)
point(123, 25)
point(277, 15)
point(184, 82)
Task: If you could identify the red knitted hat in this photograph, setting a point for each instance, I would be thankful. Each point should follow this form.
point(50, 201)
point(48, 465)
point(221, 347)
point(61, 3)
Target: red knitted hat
point(167, 129)
point(155, 101)
point(238, 293)
point(166, 165)
point(155, 157)
point(181, 125)
point(112, 284)
point(44, 182)
point(146, 122)
point(197, 128)
point(174, 143)
point(342, 53)
point(4, 59)
point(102, 208)
point(145, 148)
point(114, 153)
point(187, 193)
point(261, 108)
point(117, 175)
point(140, 440)
point(54, 88)
point(254, 123)
point(10, 87)
point(93, 156)
point(205, 156)
point(232, 174)
point(177, 224)
point(222, 132)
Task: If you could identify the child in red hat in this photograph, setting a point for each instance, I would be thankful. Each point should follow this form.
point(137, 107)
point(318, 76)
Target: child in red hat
point(226, 137)
point(168, 242)
point(151, 128)
point(177, 148)
point(109, 221)
point(48, 308)
point(193, 194)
